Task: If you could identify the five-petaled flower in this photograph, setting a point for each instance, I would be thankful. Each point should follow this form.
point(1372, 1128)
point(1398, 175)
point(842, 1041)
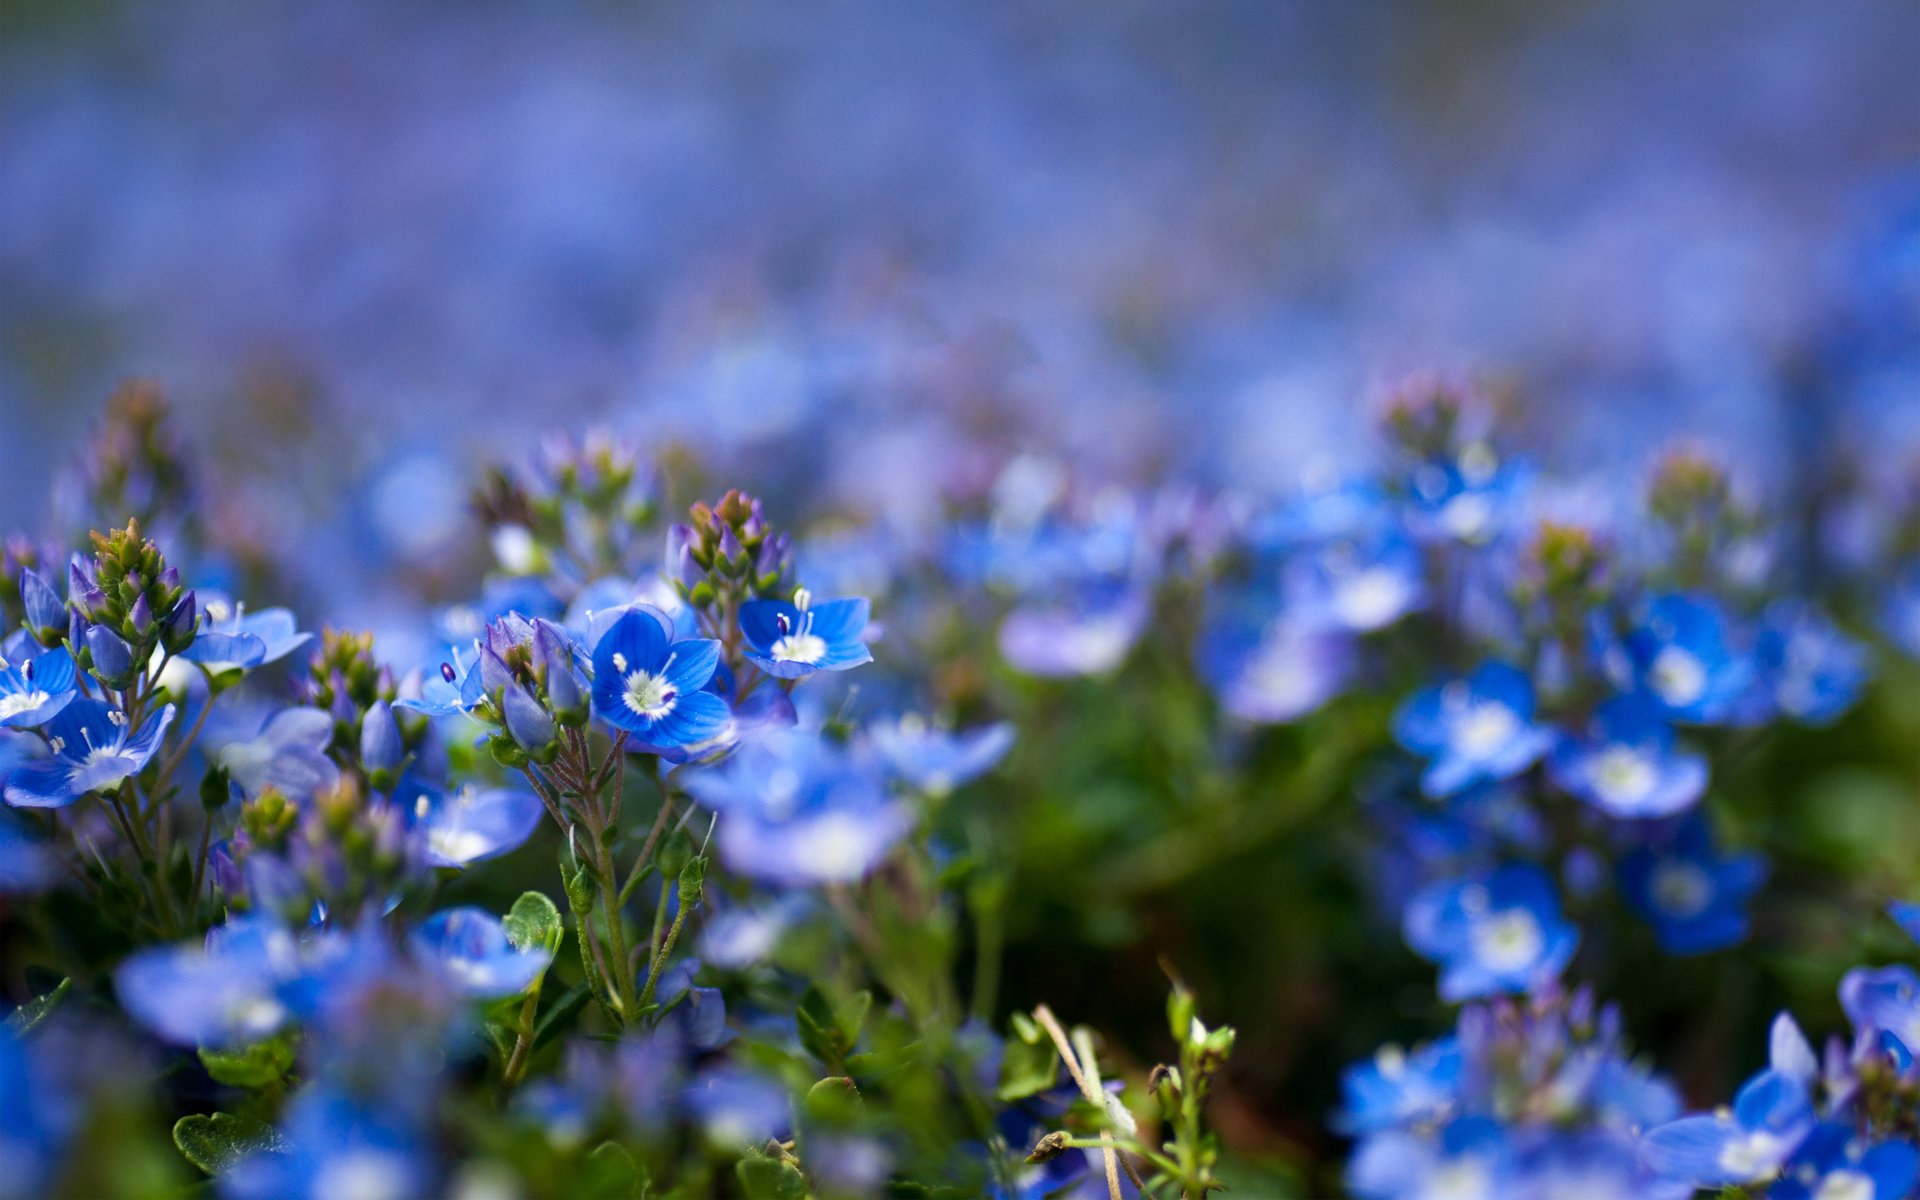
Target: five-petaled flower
point(650, 685)
point(790, 639)
point(92, 748)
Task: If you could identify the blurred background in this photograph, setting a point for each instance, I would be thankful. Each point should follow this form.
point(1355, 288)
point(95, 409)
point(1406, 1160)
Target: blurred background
point(870, 248)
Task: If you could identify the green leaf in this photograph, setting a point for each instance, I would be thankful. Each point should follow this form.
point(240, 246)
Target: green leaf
point(770, 1179)
point(214, 1143)
point(27, 1017)
point(257, 1066)
point(1027, 1068)
point(830, 1032)
point(557, 1019)
point(534, 921)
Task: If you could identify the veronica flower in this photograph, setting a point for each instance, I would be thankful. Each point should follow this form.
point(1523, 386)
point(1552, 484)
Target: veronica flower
point(791, 640)
point(1628, 766)
point(650, 685)
point(1471, 1159)
point(223, 993)
point(1680, 658)
point(475, 824)
point(26, 865)
point(471, 947)
point(1278, 672)
point(331, 1144)
point(1836, 1163)
point(1395, 1088)
point(32, 692)
point(1059, 640)
point(289, 754)
point(1359, 586)
point(447, 690)
point(795, 811)
point(737, 1110)
point(1812, 671)
point(1473, 729)
point(1770, 1118)
point(229, 636)
point(1696, 899)
point(935, 760)
point(1886, 1000)
point(1500, 933)
point(92, 748)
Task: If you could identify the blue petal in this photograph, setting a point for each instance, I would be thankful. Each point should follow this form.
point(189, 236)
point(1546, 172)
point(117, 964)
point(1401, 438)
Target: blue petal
point(694, 661)
point(42, 783)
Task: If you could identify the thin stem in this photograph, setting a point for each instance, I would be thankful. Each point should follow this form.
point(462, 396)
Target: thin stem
point(1088, 1088)
point(645, 861)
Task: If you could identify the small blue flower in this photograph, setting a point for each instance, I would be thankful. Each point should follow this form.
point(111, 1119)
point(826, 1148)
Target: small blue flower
point(224, 993)
point(230, 636)
point(935, 760)
point(34, 691)
point(447, 690)
point(1091, 637)
point(651, 685)
point(472, 825)
point(92, 748)
point(1500, 933)
point(289, 754)
point(46, 611)
point(737, 1110)
point(470, 946)
point(1886, 1000)
point(1277, 673)
point(1812, 670)
point(1472, 1159)
point(796, 811)
point(1835, 1161)
point(1395, 1088)
point(26, 865)
point(791, 640)
point(1475, 729)
point(331, 1144)
point(1627, 766)
point(1680, 658)
point(1770, 1119)
point(1696, 899)
point(1359, 586)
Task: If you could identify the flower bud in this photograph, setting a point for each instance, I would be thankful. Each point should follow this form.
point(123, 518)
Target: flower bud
point(380, 746)
point(182, 624)
point(46, 614)
point(528, 723)
point(112, 658)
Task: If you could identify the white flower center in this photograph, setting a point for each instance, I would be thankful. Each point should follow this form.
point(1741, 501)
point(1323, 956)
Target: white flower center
point(19, 702)
point(1681, 889)
point(1752, 1155)
point(650, 696)
point(1485, 727)
point(1371, 598)
point(1509, 941)
point(1459, 1181)
point(458, 845)
point(1678, 677)
point(799, 647)
point(1623, 774)
point(1846, 1185)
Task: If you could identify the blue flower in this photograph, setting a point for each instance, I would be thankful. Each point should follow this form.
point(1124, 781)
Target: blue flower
point(1835, 1161)
point(1277, 673)
point(1055, 640)
point(935, 760)
point(230, 636)
point(1770, 1119)
point(471, 947)
point(1627, 766)
point(1501, 933)
point(1812, 670)
point(1886, 1000)
point(1473, 729)
point(446, 691)
point(1395, 1088)
point(26, 865)
point(795, 811)
point(1357, 585)
point(649, 684)
point(329, 1145)
point(92, 748)
point(289, 754)
point(1696, 899)
point(472, 825)
point(224, 993)
point(34, 691)
point(737, 1110)
point(1679, 658)
point(791, 640)
point(1471, 1159)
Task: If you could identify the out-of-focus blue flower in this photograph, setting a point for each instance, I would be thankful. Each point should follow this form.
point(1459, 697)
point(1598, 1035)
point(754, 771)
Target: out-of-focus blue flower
point(1900, 611)
point(1835, 1161)
point(1277, 673)
point(1471, 1159)
point(230, 636)
point(1357, 586)
point(1769, 1120)
point(791, 640)
point(91, 747)
point(334, 1145)
point(224, 993)
point(649, 684)
point(470, 946)
point(700, 1013)
point(1397, 1088)
point(1695, 898)
point(1627, 766)
point(742, 936)
point(1884, 1000)
point(35, 1116)
point(1473, 729)
point(1811, 670)
point(794, 810)
point(1500, 933)
point(1059, 640)
point(737, 1110)
point(26, 865)
point(289, 754)
point(474, 824)
point(381, 750)
point(936, 760)
point(32, 692)
point(1680, 658)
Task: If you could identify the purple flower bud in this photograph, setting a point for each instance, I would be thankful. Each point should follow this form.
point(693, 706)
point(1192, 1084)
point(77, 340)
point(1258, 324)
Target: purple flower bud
point(380, 746)
point(141, 614)
point(112, 657)
point(170, 578)
point(680, 561)
point(530, 725)
point(730, 548)
point(46, 614)
point(83, 590)
point(182, 624)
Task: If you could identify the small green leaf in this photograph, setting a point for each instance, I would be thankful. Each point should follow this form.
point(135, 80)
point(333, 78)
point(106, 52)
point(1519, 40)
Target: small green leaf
point(27, 1017)
point(770, 1179)
point(830, 1032)
point(534, 921)
point(1026, 1069)
point(215, 1143)
point(257, 1066)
